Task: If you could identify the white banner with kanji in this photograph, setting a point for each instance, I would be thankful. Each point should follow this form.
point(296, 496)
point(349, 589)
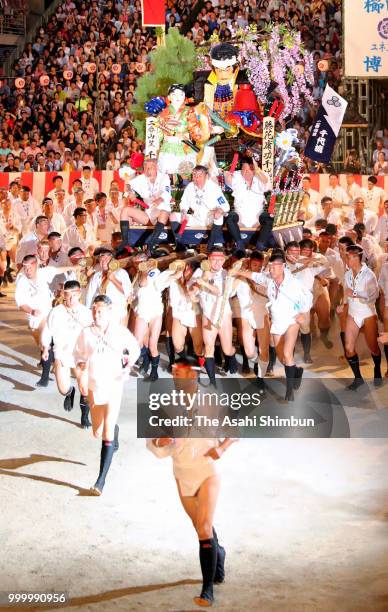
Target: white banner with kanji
point(365, 38)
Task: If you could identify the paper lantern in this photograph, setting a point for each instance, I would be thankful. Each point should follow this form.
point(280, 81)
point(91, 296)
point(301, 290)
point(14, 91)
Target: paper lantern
point(44, 80)
point(323, 65)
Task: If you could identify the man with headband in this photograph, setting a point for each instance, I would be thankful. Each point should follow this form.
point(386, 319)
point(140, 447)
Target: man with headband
point(33, 296)
point(115, 284)
point(104, 353)
point(153, 188)
point(63, 326)
point(289, 305)
point(208, 205)
point(214, 292)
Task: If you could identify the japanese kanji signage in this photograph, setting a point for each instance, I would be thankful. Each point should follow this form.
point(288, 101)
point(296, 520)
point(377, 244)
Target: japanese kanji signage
point(267, 153)
point(152, 137)
point(366, 38)
point(326, 127)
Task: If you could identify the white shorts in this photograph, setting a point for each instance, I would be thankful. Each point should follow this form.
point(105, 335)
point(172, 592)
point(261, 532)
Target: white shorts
point(205, 222)
point(279, 327)
point(359, 312)
point(187, 318)
point(34, 322)
point(153, 211)
point(254, 316)
point(65, 356)
point(148, 313)
point(110, 393)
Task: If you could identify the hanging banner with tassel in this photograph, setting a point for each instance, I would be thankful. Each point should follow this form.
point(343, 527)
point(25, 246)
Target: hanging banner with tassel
point(326, 127)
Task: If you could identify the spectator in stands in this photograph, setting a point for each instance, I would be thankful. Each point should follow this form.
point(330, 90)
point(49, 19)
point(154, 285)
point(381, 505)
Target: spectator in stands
point(352, 162)
point(381, 165)
point(379, 149)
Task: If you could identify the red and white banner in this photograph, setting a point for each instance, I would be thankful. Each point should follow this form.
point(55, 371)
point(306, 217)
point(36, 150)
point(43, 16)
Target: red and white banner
point(153, 13)
point(41, 183)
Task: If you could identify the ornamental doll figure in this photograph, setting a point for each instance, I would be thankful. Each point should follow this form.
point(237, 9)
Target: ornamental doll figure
point(221, 88)
point(179, 129)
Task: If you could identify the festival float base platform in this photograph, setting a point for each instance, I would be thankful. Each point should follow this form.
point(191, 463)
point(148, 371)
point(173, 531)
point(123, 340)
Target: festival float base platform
point(193, 236)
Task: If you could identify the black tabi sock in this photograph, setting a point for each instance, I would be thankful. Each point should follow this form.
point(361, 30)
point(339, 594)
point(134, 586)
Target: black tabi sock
point(342, 336)
point(306, 343)
point(377, 363)
point(245, 358)
point(290, 381)
point(46, 366)
point(154, 368)
point(145, 357)
point(231, 364)
point(218, 358)
point(170, 350)
point(190, 346)
point(216, 236)
point(175, 230)
point(107, 450)
point(355, 366)
point(124, 229)
point(272, 356)
point(210, 369)
point(219, 575)
point(208, 561)
point(85, 409)
point(154, 238)
point(68, 402)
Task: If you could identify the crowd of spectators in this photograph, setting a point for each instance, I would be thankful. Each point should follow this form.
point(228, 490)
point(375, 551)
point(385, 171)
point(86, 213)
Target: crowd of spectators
point(66, 123)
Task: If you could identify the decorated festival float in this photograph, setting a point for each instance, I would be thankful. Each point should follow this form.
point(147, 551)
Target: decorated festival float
point(212, 105)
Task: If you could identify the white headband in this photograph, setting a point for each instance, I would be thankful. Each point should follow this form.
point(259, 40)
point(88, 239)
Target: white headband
point(224, 63)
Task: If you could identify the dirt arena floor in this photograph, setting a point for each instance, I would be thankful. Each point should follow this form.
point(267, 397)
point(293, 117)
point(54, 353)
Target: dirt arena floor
point(304, 521)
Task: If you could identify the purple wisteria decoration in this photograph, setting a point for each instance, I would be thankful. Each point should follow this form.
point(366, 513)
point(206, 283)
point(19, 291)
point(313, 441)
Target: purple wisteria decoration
point(280, 58)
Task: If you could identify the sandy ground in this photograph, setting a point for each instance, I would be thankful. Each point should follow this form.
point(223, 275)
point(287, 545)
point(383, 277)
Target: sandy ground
point(304, 522)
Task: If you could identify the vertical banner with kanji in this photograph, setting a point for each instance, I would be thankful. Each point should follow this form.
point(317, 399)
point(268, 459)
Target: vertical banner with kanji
point(152, 137)
point(365, 38)
point(326, 127)
point(153, 13)
point(267, 153)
